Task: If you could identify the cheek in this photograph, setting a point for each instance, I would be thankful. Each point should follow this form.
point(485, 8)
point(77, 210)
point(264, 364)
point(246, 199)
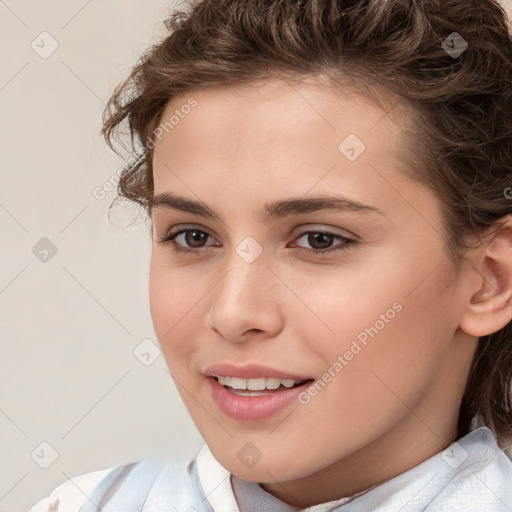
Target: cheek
point(381, 320)
point(396, 353)
point(336, 305)
point(174, 308)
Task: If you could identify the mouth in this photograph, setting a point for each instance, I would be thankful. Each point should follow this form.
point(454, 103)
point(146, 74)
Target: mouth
point(258, 386)
point(254, 392)
point(255, 399)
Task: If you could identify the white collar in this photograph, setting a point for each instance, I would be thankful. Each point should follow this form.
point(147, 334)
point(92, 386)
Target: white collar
point(216, 482)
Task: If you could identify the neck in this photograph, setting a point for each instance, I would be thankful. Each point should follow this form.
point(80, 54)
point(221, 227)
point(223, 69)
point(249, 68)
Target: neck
point(373, 465)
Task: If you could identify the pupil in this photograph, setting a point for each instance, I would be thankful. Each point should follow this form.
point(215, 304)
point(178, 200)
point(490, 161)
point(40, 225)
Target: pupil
point(196, 237)
point(317, 237)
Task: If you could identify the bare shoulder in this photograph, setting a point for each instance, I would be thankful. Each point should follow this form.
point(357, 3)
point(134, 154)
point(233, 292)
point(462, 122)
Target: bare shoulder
point(72, 494)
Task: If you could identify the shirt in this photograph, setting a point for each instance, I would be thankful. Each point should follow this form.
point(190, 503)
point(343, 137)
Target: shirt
point(472, 474)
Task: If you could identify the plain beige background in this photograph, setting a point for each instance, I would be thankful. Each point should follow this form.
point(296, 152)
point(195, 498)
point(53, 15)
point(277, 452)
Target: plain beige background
point(70, 324)
point(82, 384)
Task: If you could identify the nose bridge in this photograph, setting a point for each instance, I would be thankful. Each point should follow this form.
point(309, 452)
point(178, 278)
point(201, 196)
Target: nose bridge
point(243, 299)
point(248, 272)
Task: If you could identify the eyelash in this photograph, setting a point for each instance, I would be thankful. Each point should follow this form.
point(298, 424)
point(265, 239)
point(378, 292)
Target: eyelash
point(168, 239)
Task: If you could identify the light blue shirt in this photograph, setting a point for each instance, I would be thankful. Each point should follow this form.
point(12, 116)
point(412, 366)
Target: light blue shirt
point(472, 474)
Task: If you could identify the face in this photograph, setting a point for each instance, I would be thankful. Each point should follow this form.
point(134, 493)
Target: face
point(351, 301)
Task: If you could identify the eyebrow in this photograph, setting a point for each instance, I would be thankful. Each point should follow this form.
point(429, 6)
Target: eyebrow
point(274, 210)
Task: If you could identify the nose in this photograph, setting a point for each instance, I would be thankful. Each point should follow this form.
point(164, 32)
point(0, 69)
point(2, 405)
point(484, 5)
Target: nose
point(246, 302)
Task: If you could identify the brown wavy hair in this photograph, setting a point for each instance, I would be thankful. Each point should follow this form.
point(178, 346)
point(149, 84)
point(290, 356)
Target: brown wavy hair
point(461, 143)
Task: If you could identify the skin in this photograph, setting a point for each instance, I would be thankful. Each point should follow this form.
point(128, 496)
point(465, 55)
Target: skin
point(397, 402)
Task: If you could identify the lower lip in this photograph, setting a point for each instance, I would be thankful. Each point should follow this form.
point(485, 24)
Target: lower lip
point(253, 408)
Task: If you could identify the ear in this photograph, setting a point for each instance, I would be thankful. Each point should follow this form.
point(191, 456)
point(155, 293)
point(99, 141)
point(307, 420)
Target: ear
point(489, 308)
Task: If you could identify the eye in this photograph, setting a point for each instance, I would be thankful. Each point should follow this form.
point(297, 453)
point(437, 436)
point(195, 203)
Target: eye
point(192, 236)
point(322, 242)
point(194, 240)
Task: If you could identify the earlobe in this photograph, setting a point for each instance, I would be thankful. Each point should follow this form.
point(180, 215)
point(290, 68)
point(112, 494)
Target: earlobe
point(489, 308)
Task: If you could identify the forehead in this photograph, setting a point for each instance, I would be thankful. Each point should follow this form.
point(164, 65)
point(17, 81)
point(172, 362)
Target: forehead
point(272, 118)
point(288, 101)
point(279, 136)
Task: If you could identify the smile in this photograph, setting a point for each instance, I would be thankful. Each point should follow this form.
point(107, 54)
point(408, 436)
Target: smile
point(256, 399)
point(258, 386)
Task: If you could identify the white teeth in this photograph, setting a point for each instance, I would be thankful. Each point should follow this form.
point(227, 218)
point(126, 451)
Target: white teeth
point(248, 393)
point(256, 384)
point(273, 383)
point(238, 383)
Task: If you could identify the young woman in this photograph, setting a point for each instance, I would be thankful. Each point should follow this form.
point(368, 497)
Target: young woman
point(329, 185)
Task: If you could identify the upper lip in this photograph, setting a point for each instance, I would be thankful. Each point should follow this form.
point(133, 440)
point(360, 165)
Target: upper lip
point(250, 371)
